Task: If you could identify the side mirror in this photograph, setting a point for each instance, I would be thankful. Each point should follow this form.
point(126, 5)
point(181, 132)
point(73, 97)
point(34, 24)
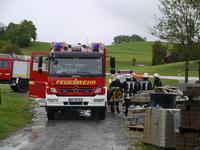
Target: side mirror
point(112, 71)
point(40, 61)
point(39, 70)
point(112, 65)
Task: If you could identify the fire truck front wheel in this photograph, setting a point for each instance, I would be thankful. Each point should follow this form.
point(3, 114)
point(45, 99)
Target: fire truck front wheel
point(22, 86)
point(101, 113)
point(50, 114)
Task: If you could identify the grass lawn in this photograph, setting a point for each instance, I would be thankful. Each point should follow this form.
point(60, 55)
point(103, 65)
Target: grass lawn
point(37, 47)
point(14, 112)
point(124, 53)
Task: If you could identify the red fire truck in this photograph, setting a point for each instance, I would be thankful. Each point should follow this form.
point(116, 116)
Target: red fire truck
point(70, 78)
point(14, 70)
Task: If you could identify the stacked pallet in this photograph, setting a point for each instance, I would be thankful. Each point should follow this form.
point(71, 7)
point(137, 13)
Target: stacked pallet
point(188, 136)
point(159, 127)
point(136, 117)
point(187, 139)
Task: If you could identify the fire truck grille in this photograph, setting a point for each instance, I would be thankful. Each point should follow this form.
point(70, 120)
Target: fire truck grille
point(76, 103)
point(76, 90)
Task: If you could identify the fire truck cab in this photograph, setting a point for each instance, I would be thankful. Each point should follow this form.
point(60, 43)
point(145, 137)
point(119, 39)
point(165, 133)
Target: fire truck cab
point(74, 78)
point(14, 70)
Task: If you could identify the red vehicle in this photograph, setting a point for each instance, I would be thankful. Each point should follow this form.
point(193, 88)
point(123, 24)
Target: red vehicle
point(73, 78)
point(14, 70)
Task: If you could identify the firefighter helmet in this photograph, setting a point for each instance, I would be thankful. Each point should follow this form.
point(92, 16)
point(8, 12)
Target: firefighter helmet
point(145, 75)
point(156, 75)
point(128, 76)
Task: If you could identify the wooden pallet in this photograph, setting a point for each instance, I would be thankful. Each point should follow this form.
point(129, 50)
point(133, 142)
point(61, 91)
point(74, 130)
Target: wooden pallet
point(136, 128)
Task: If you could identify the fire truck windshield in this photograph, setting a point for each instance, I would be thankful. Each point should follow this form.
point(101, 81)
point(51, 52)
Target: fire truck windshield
point(69, 67)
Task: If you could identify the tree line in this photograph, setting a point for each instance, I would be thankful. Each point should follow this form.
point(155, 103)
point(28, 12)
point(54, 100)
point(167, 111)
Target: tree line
point(16, 36)
point(126, 38)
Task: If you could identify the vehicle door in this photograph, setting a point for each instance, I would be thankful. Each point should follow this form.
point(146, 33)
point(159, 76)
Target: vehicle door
point(38, 75)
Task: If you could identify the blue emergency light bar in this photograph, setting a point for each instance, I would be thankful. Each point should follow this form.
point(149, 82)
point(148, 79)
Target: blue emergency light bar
point(58, 46)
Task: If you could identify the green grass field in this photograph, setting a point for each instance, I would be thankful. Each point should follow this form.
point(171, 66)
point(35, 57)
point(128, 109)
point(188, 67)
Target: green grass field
point(37, 47)
point(125, 52)
point(14, 112)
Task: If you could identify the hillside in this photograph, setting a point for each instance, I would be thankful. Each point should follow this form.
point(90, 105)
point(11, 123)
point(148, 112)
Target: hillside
point(125, 52)
point(37, 47)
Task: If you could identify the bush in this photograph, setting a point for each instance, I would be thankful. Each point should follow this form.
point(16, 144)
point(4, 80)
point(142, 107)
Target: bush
point(10, 48)
point(126, 38)
point(159, 53)
point(134, 61)
point(2, 43)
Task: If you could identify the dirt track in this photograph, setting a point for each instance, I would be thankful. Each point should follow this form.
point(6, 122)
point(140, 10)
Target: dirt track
point(71, 133)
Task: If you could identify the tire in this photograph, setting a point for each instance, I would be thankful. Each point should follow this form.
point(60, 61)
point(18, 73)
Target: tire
point(50, 114)
point(22, 86)
point(102, 114)
point(93, 113)
point(14, 88)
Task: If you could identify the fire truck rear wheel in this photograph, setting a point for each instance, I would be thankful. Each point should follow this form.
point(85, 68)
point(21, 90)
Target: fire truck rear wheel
point(14, 88)
point(22, 86)
point(50, 114)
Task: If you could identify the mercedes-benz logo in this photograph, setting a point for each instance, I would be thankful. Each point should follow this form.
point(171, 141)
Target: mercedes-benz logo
point(76, 89)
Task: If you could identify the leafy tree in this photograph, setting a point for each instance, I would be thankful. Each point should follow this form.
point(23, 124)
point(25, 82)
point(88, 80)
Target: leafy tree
point(21, 34)
point(27, 32)
point(179, 23)
point(126, 38)
point(2, 31)
point(136, 38)
point(159, 52)
point(12, 32)
point(2, 43)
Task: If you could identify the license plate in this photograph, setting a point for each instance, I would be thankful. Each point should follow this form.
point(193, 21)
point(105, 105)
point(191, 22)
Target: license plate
point(75, 99)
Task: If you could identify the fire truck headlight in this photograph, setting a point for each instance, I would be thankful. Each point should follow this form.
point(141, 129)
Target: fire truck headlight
point(98, 100)
point(98, 90)
point(53, 90)
point(52, 100)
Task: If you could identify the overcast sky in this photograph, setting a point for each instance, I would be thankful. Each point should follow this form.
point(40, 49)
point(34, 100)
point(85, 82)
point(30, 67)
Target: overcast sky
point(82, 20)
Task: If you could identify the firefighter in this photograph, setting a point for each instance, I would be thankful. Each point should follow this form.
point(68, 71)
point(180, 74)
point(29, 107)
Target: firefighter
point(138, 85)
point(114, 88)
point(157, 81)
point(145, 83)
point(130, 88)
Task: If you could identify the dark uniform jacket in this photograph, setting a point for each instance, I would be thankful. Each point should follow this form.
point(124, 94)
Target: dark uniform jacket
point(130, 88)
point(157, 83)
point(145, 84)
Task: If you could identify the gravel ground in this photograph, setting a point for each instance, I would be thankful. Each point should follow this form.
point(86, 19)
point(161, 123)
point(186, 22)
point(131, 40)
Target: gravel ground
point(79, 132)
